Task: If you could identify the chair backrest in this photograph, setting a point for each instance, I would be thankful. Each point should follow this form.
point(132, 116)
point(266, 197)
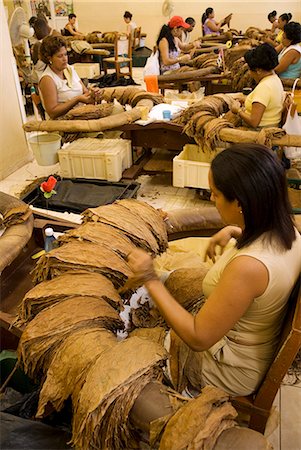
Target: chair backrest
point(136, 37)
point(289, 345)
point(122, 46)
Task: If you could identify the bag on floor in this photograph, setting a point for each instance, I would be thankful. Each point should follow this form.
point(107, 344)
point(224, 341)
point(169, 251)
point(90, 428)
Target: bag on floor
point(152, 66)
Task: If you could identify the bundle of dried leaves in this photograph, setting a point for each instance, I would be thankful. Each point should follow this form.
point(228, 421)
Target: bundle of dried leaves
point(53, 325)
point(112, 385)
point(186, 285)
point(127, 222)
point(89, 112)
point(198, 423)
point(102, 234)
point(79, 256)
point(73, 284)
point(73, 357)
point(151, 216)
point(12, 210)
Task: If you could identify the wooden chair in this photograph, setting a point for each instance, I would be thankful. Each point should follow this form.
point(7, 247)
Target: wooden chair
point(119, 61)
point(136, 38)
point(258, 406)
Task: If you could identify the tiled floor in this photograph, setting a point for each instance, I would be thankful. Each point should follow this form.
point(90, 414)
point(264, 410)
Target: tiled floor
point(158, 191)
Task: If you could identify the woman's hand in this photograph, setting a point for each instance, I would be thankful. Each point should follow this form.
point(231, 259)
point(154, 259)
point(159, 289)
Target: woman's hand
point(87, 98)
point(141, 264)
point(96, 94)
point(235, 107)
point(185, 58)
point(222, 238)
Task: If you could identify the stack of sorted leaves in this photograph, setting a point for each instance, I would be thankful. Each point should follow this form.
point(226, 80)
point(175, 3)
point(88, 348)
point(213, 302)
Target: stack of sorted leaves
point(203, 121)
point(101, 234)
point(199, 422)
point(112, 384)
point(79, 256)
point(186, 285)
point(89, 112)
point(73, 284)
point(13, 212)
point(108, 37)
point(93, 37)
point(151, 216)
point(234, 53)
point(257, 33)
point(67, 370)
point(129, 95)
point(53, 325)
point(142, 224)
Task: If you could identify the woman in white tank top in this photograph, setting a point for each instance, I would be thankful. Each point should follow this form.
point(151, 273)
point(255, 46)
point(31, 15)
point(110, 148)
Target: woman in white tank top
point(60, 87)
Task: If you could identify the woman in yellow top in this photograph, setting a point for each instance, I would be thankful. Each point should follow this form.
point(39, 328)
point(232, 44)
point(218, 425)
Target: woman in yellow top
point(282, 21)
point(263, 106)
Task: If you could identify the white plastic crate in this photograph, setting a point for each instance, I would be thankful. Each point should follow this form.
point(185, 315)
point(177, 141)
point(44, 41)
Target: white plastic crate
point(102, 159)
point(87, 70)
point(191, 167)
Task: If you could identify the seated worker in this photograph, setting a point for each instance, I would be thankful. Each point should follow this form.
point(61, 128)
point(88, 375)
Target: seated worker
point(70, 28)
point(290, 55)
point(186, 32)
point(60, 87)
point(210, 26)
point(282, 21)
point(130, 24)
point(231, 340)
point(263, 106)
point(170, 45)
point(272, 18)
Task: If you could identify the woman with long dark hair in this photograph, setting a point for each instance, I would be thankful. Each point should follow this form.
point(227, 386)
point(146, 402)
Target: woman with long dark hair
point(210, 25)
point(231, 341)
point(170, 45)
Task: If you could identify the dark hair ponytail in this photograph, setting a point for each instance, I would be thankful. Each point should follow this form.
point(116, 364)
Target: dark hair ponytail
point(286, 17)
point(272, 14)
point(206, 14)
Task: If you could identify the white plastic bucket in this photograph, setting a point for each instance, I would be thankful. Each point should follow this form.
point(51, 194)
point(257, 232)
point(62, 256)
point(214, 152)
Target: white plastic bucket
point(45, 148)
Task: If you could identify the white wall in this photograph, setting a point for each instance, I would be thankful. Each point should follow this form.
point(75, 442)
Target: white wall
point(108, 15)
point(14, 152)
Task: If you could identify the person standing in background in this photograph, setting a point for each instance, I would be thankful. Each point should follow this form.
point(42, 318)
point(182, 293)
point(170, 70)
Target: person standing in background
point(130, 24)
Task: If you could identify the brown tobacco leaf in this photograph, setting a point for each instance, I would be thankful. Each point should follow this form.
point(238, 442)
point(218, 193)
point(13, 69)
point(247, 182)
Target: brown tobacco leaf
point(112, 385)
point(186, 285)
point(52, 326)
point(70, 284)
point(198, 423)
point(70, 363)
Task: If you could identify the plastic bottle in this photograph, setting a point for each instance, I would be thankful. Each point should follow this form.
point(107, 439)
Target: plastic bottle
point(49, 240)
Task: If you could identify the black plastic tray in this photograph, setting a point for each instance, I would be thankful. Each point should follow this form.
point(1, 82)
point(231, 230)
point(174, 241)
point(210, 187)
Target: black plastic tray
point(108, 193)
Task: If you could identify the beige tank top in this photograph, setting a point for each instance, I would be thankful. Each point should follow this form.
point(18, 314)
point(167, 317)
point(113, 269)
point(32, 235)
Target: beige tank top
point(262, 321)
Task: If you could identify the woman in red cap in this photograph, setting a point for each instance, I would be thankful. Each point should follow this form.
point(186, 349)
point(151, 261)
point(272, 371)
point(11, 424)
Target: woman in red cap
point(170, 45)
